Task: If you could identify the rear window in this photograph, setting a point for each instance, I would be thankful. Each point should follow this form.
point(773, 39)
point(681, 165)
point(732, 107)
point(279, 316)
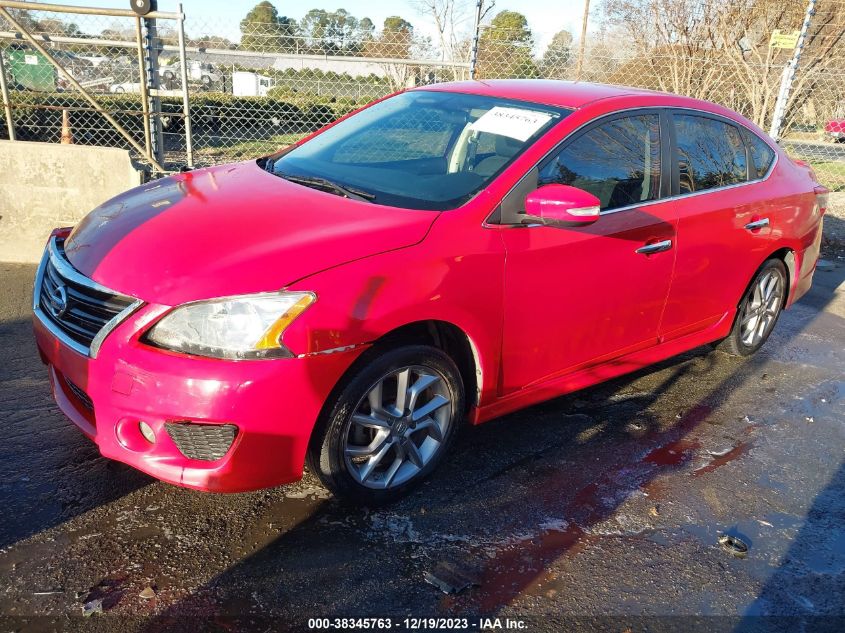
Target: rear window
point(711, 153)
point(762, 156)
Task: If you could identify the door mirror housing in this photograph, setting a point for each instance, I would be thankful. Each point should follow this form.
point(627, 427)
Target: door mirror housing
point(562, 206)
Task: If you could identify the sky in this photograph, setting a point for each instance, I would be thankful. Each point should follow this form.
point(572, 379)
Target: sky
point(225, 15)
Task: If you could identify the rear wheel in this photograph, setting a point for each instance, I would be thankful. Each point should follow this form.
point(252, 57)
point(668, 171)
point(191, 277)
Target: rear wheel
point(390, 426)
point(758, 311)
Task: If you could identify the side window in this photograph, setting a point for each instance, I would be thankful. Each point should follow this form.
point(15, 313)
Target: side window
point(762, 155)
point(711, 153)
point(618, 162)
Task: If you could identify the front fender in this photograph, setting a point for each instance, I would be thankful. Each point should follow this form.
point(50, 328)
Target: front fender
point(362, 301)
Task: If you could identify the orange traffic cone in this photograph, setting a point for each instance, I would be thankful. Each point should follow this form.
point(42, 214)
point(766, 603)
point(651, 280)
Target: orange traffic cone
point(67, 136)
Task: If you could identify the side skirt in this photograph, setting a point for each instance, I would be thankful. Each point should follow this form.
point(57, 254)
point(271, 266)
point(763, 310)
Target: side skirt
point(596, 374)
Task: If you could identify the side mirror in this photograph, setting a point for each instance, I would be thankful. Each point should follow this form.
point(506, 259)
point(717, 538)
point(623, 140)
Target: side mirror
point(562, 206)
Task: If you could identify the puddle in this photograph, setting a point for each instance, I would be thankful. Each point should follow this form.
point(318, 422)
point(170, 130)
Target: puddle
point(674, 453)
point(720, 460)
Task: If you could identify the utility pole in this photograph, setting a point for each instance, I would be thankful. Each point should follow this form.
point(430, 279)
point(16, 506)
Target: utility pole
point(473, 60)
point(789, 74)
point(583, 42)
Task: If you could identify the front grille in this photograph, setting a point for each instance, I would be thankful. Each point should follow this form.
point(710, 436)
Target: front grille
point(87, 306)
point(206, 442)
point(83, 397)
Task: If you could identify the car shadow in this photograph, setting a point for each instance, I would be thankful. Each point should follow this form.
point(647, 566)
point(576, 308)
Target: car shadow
point(805, 593)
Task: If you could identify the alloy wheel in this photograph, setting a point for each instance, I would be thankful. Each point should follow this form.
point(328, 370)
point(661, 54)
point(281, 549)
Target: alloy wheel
point(761, 308)
point(398, 427)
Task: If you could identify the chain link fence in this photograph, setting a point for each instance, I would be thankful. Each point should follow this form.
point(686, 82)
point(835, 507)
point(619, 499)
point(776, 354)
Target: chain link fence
point(268, 81)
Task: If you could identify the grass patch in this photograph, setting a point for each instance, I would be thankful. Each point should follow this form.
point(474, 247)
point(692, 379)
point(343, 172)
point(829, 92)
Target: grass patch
point(831, 173)
point(246, 149)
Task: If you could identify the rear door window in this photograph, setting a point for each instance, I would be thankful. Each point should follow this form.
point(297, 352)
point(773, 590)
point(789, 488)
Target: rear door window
point(762, 156)
point(710, 153)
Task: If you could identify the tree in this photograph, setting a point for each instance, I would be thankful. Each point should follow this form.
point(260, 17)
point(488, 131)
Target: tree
point(505, 47)
point(557, 55)
point(395, 42)
point(332, 32)
point(366, 28)
point(264, 30)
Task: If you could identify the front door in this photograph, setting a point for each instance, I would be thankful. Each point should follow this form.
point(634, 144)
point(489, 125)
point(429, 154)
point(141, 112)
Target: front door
point(576, 297)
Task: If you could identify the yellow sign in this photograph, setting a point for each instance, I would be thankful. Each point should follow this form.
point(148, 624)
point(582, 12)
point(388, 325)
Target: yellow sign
point(784, 39)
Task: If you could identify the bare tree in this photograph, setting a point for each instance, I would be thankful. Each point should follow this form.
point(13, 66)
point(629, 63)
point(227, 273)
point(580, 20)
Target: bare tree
point(720, 50)
point(454, 21)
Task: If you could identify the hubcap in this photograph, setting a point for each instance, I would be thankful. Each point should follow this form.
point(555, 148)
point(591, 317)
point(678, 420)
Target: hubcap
point(761, 308)
point(398, 427)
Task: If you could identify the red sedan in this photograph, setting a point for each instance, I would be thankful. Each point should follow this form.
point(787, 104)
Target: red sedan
point(450, 253)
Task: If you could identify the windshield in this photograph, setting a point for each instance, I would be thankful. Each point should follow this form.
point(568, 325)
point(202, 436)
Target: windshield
point(421, 149)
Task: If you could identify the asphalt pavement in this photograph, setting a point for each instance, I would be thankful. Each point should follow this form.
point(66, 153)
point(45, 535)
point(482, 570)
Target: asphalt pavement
point(602, 510)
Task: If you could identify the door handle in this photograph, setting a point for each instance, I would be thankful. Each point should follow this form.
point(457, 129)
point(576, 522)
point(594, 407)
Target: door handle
point(757, 224)
point(654, 247)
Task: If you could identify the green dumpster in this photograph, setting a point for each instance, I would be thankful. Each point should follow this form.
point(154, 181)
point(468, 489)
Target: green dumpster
point(30, 70)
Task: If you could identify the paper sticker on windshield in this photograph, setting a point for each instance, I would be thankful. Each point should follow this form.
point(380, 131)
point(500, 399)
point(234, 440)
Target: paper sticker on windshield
point(513, 122)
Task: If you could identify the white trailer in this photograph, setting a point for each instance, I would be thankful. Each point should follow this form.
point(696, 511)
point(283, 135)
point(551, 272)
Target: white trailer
point(246, 84)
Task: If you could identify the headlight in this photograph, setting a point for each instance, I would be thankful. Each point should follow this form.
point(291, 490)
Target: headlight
point(249, 326)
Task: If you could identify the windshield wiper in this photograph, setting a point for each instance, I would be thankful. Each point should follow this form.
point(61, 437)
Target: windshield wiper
point(325, 184)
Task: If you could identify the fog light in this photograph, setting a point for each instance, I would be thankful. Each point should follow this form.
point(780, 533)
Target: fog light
point(147, 432)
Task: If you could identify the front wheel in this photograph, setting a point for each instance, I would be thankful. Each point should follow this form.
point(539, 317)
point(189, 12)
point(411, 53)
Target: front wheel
point(759, 310)
point(389, 426)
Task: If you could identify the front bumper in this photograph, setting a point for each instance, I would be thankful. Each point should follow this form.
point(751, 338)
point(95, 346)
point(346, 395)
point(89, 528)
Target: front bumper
point(273, 403)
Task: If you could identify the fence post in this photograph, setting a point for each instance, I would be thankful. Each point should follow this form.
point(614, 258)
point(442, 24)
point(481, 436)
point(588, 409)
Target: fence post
point(7, 105)
point(154, 83)
point(142, 77)
point(186, 104)
point(473, 59)
point(789, 74)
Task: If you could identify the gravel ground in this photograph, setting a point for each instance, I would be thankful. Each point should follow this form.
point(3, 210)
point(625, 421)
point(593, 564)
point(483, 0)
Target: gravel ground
point(600, 510)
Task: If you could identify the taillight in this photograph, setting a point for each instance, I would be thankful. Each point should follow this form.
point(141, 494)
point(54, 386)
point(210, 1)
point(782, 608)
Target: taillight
point(821, 197)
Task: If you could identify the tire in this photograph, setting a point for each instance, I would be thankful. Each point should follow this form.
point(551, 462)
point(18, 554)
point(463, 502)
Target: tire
point(205, 80)
point(750, 332)
point(119, 90)
point(373, 463)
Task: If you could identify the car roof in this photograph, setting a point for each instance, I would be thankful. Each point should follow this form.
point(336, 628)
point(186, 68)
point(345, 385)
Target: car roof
point(566, 94)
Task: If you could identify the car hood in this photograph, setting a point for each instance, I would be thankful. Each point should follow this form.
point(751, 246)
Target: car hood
point(227, 230)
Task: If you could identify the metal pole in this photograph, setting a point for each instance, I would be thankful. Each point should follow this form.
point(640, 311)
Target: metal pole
point(73, 82)
point(145, 96)
point(186, 105)
point(473, 60)
point(7, 105)
point(583, 43)
point(789, 74)
point(154, 82)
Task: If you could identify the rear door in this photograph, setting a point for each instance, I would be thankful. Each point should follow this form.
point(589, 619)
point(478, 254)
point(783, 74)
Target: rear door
point(725, 221)
point(576, 297)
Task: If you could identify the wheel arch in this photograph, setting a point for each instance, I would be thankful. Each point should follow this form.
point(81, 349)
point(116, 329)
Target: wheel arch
point(447, 337)
point(443, 335)
point(787, 256)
